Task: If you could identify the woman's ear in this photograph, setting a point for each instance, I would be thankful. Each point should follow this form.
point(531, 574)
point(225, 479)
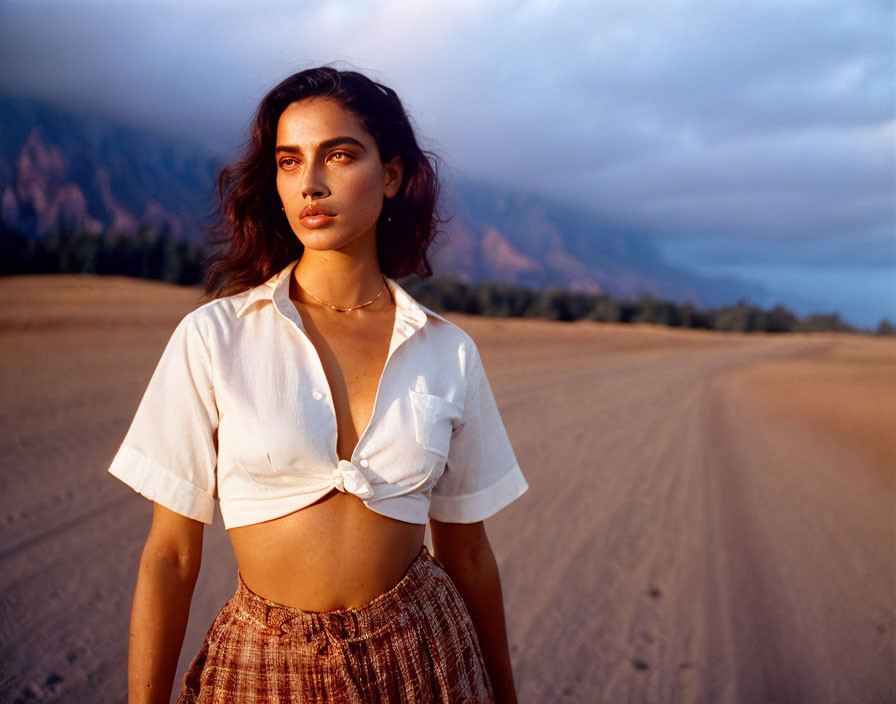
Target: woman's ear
point(394, 170)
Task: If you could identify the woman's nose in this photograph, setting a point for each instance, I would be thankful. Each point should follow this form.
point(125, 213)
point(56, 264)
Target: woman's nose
point(314, 184)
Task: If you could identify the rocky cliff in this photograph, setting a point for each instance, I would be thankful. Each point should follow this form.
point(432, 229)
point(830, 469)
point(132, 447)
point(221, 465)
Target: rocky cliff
point(59, 170)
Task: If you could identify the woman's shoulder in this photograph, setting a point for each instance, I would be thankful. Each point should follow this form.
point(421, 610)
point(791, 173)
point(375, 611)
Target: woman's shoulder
point(437, 326)
point(226, 306)
point(446, 328)
point(229, 306)
point(449, 340)
point(217, 315)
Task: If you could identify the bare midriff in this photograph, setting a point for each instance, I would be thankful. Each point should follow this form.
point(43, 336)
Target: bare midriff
point(333, 554)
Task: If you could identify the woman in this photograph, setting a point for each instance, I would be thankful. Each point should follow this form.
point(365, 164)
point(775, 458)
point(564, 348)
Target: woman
point(332, 416)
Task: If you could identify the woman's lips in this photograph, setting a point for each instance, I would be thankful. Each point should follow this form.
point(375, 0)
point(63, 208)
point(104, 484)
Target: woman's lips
point(310, 222)
point(314, 216)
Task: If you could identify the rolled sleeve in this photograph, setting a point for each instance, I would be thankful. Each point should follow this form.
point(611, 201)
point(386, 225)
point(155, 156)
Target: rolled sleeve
point(169, 454)
point(481, 474)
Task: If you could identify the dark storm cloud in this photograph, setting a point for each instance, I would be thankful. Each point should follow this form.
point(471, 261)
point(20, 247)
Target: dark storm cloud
point(730, 122)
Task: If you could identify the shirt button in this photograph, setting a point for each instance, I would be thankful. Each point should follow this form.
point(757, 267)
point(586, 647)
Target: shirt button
point(316, 395)
point(364, 463)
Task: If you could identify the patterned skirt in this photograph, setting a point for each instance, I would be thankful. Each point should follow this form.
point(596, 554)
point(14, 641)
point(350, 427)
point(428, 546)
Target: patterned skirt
point(413, 643)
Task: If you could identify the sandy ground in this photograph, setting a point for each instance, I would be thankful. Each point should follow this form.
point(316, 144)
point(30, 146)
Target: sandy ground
point(711, 518)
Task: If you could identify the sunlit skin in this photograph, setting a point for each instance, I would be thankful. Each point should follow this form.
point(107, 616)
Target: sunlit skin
point(325, 157)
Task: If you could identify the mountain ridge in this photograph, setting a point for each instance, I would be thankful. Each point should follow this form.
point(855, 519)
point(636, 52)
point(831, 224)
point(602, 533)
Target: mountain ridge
point(59, 169)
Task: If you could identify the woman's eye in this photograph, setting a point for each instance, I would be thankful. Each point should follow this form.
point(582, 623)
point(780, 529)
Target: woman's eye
point(287, 163)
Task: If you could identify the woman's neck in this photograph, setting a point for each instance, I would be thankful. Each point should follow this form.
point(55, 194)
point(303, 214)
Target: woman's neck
point(337, 279)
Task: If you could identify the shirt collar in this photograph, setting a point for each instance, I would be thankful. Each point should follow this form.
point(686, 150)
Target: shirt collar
point(410, 315)
point(265, 291)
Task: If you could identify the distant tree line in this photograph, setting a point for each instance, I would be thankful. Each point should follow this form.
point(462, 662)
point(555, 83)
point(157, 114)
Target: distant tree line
point(148, 255)
point(163, 256)
point(497, 299)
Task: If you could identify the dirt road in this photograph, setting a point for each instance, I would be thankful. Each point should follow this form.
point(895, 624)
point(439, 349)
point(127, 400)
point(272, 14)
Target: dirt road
point(706, 521)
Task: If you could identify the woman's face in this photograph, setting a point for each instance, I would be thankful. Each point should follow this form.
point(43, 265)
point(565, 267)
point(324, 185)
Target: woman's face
point(330, 177)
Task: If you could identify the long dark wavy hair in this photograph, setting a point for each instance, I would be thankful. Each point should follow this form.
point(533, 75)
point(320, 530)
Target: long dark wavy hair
point(253, 237)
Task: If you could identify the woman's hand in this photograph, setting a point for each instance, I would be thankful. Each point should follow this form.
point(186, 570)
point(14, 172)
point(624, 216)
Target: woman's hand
point(169, 567)
point(464, 550)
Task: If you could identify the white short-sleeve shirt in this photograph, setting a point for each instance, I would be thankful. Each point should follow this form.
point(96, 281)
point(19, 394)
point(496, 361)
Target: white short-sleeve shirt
point(239, 409)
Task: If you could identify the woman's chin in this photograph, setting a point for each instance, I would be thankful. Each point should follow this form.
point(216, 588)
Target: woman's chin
point(321, 241)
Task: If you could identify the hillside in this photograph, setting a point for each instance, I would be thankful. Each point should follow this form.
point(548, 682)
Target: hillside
point(62, 170)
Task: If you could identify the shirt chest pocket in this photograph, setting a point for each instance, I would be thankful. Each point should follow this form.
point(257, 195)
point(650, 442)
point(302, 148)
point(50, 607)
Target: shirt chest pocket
point(434, 419)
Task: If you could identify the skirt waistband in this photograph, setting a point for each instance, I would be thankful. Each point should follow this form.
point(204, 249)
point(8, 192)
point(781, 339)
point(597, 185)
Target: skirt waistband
point(354, 623)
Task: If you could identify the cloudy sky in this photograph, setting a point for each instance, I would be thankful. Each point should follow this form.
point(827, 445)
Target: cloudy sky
point(754, 138)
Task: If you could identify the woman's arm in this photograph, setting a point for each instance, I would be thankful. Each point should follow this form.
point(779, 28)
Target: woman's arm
point(464, 550)
point(169, 567)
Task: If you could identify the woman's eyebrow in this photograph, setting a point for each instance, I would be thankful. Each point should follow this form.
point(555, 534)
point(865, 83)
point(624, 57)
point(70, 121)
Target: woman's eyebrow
point(326, 144)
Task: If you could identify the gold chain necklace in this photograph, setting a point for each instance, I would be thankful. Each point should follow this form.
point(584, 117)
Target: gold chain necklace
point(343, 310)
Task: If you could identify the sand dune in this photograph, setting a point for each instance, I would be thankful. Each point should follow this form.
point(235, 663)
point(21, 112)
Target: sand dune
point(711, 518)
